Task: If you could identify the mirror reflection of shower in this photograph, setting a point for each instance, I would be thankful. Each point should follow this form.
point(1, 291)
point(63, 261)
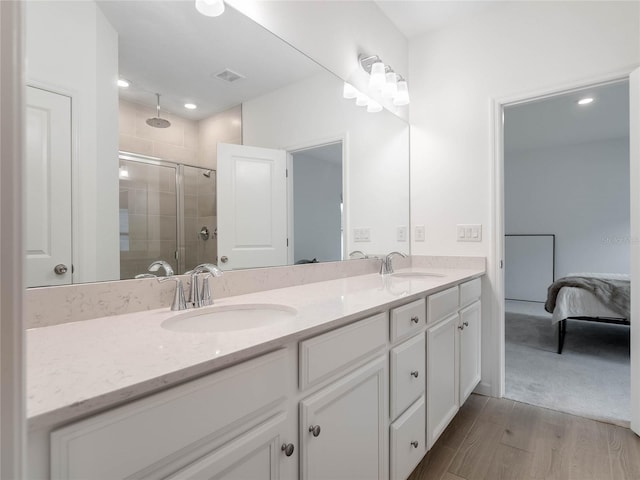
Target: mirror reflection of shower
point(164, 209)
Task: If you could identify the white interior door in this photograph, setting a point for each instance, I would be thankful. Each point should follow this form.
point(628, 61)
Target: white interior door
point(252, 207)
point(634, 133)
point(48, 188)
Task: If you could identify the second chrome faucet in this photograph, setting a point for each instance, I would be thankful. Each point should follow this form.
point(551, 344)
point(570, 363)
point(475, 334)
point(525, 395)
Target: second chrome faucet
point(386, 266)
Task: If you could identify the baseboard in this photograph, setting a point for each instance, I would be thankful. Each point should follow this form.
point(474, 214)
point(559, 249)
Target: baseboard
point(485, 389)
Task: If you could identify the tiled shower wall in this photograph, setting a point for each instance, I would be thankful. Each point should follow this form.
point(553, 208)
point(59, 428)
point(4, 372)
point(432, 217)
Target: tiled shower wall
point(185, 141)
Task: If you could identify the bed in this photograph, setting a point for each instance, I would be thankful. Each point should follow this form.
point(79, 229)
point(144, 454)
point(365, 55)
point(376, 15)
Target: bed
point(595, 297)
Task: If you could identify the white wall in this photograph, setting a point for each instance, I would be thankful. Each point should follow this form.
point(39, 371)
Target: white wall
point(376, 172)
point(513, 49)
point(334, 33)
point(73, 50)
point(580, 193)
point(317, 194)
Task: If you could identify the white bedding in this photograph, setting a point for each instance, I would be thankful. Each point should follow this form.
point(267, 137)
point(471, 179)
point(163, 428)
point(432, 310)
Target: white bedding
point(577, 302)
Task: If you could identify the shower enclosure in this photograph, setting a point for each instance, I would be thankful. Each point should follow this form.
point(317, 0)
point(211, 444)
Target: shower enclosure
point(167, 212)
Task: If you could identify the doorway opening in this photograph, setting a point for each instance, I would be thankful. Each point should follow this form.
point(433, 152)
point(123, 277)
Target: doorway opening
point(316, 201)
point(566, 214)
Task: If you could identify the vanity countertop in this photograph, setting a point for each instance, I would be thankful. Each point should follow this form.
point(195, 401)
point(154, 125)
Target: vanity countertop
point(77, 368)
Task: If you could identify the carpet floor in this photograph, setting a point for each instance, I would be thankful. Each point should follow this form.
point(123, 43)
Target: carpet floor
point(590, 379)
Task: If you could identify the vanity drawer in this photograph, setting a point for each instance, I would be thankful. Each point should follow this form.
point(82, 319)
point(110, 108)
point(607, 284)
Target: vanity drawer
point(145, 434)
point(327, 354)
point(442, 304)
point(407, 442)
point(407, 319)
point(407, 373)
point(470, 292)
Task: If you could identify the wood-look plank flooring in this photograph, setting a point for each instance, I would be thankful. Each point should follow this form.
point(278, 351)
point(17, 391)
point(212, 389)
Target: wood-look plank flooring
point(499, 439)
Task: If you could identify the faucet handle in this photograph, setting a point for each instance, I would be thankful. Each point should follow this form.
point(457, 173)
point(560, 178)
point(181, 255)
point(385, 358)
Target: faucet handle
point(179, 301)
point(206, 298)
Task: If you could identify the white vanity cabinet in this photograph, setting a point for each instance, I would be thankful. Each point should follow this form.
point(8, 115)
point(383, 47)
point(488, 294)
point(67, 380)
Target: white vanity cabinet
point(442, 376)
point(342, 427)
point(361, 401)
point(407, 443)
point(453, 353)
point(470, 338)
point(229, 420)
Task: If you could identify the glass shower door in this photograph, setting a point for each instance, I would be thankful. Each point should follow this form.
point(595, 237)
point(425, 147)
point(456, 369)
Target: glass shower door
point(148, 216)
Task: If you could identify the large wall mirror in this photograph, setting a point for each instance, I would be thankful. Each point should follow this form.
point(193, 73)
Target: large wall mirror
point(272, 166)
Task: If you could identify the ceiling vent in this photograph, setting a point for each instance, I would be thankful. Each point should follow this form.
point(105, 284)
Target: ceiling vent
point(229, 76)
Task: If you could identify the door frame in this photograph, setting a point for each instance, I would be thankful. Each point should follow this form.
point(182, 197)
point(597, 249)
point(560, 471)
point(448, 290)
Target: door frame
point(497, 212)
point(300, 147)
point(12, 338)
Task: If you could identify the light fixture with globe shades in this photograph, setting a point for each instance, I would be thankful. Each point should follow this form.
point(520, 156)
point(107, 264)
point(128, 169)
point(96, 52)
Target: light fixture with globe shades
point(384, 81)
point(210, 8)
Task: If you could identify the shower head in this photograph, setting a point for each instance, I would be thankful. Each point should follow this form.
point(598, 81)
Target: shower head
point(157, 122)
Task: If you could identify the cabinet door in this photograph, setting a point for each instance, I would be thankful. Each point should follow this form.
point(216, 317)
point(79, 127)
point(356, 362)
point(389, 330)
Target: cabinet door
point(442, 376)
point(342, 427)
point(253, 456)
point(470, 319)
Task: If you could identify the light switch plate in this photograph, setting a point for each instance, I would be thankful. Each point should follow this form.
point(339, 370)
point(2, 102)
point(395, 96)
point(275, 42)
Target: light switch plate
point(419, 233)
point(469, 232)
point(401, 234)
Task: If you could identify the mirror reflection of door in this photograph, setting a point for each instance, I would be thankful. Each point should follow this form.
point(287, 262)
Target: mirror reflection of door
point(252, 207)
point(317, 204)
point(48, 189)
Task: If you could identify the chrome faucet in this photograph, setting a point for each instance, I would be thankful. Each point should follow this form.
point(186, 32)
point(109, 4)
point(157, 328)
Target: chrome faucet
point(202, 296)
point(358, 252)
point(386, 267)
point(155, 266)
point(179, 302)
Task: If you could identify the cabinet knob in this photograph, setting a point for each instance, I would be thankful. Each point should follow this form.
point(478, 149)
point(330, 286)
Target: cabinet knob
point(466, 324)
point(415, 319)
point(414, 444)
point(460, 327)
point(415, 373)
point(288, 449)
point(314, 430)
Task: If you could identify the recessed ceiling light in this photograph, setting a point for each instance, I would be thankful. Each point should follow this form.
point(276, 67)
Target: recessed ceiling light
point(190, 106)
point(210, 8)
point(585, 101)
point(122, 83)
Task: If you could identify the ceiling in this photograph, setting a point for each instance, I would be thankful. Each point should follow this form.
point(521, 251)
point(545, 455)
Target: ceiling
point(169, 48)
point(559, 120)
point(416, 17)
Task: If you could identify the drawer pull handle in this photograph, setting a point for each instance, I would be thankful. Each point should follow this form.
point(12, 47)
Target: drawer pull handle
point(288, 449)
point(414, 444)
point(415, 373)
point(415, 319)
point(314, 430)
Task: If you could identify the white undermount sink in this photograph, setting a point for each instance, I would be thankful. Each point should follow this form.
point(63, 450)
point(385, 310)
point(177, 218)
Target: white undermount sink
point(229, 318)
point(416, 274)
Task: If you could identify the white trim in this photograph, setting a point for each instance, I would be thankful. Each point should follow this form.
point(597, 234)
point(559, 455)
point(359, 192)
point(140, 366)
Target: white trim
point(498, 104)
point(12, 106)
point(634, 174)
